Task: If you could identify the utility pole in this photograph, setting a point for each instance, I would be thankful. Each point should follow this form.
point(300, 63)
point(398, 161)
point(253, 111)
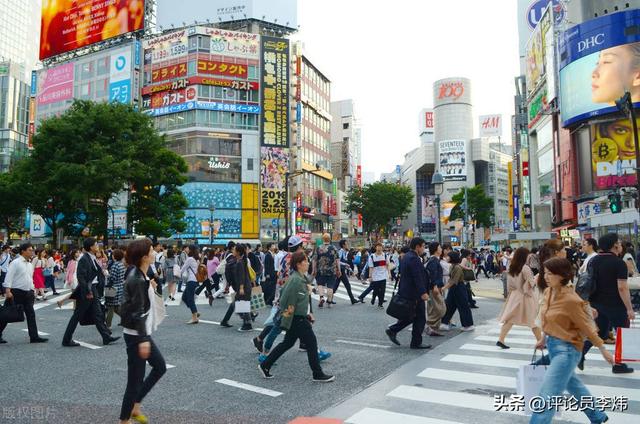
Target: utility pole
point(464, 219)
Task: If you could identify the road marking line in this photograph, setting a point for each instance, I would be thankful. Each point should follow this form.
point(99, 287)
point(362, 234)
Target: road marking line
point(380, 416)
point(510, 382)
point(249, 387)
point(362, 344)
point(169, 366)
point(88, 345)
point(209, 322)
point(485, 403)
point(512, 332)
point(515, 363)
point(52, 300)
point(40, 333)
point(520, 341)
point(517, 351)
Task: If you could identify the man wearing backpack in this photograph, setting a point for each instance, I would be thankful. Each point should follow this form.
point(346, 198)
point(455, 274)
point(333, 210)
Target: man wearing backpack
point(610, 294)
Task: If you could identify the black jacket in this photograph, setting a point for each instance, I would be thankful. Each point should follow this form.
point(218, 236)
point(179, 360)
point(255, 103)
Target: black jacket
point(414, 281)
point(136, 304)
point(269, 266)
point(87, 271)
point(237, 274)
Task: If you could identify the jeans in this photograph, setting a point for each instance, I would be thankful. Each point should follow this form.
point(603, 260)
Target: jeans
point(457, 298)
point(419, 321)
point(607, 317)
point(137, 385)
point(24, 298)
point(273, 335)
point(50, 282)
point(189, 296)
point(269, 290)
point(560, 376)
point(472, 302)
point(300, 329)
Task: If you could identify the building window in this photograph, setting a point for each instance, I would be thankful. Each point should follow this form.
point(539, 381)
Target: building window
point(249, 164)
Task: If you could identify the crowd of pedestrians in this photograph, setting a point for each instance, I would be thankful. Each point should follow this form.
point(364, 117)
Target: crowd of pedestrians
point(544, 290)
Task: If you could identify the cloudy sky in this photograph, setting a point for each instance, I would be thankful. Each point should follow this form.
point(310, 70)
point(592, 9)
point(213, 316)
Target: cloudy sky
point(386, 55)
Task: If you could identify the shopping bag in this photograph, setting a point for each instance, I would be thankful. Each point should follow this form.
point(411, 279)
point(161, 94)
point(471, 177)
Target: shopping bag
point(627, 345)
point(257, 299)
point(242, 307)
point(529, 382)
point(11, 313)
point(634, 283)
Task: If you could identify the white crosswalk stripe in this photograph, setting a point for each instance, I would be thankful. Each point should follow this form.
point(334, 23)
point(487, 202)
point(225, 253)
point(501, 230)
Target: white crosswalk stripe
point(465, 383)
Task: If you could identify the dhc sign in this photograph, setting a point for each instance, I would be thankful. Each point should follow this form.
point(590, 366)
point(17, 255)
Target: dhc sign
point(594, 40)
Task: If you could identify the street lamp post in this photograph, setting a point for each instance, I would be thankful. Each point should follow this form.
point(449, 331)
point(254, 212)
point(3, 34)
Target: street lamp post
point(438, 187)
point(212, 209)
point(625, 105)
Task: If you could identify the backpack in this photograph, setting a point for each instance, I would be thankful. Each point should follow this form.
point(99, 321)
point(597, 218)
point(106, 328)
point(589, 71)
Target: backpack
point(586, 284)
point(202, 275)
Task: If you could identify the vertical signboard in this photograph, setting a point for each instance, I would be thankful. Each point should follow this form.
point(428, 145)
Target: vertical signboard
point(613, 156)
point(274, 62)
point(120, 76)
point(274, 164)
point(490, 126)
point(452, 159)
point(55, 84)
point(510, 188)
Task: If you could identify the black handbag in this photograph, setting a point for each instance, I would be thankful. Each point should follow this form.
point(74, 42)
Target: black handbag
point(87, 318)
point(468, 274)
point(11, 313)
point(400, 308)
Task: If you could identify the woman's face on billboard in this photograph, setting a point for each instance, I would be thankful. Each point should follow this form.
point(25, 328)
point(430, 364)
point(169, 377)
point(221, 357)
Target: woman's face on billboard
point(614, 73)
point(621, 132)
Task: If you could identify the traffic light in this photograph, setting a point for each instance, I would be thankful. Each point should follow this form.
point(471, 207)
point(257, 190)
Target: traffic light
point(615, 202)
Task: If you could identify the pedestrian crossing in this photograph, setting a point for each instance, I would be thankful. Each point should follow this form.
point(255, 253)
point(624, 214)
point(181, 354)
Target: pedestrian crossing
point(460, 387)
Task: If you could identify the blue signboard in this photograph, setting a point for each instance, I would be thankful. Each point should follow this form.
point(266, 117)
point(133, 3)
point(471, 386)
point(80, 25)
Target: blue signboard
point(120, 91)
point(138, 48)
point(535, 11)
point(34, 83)
point(222, 107)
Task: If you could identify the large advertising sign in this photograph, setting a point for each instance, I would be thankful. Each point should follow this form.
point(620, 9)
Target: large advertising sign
point(613, 155)
point(453, 160)
point(274, 128)
point(232, 43)
point(428, 210)
point(214, 67)
point(167, 47)
point(169, 72)
point(490, 126)
point(599, 61)
point(274, 165)
point(55, 84)
point(71, 24)
point(120, 76)
point(451, 90)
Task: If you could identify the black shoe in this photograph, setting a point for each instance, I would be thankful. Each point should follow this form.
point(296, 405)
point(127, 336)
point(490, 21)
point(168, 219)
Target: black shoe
point(225, 325)
point(245, 328)
point(621, 369)
point(109, 340)
point(70, 344)
point(321, 303)
point(421, 347)
point(258, 344)
point(264, 371)
point(502, 345)
point(39, 340)
point(210, 300)
point(324, 378)
point(474, 306)
point(581, 364)
point(354, 301)
point(360, 300)
point(392, 336)
point(179, 291)
point(2, 341)
point(55, 293)
point(373, 301)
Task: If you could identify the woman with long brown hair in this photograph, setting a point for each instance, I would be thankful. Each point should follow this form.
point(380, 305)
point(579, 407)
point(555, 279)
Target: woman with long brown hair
point(521, 307)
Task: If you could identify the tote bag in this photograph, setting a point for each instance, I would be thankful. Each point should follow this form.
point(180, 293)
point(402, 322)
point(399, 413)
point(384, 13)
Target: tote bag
point(529, 381)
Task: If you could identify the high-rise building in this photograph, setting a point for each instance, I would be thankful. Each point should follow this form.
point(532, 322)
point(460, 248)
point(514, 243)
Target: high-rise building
point(20, 34)
point(345, 143)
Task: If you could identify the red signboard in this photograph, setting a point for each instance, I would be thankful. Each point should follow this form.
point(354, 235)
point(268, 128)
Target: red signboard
point(173, 97)
point(228, 83)
point(525, 169)
point(428, 116)
point(165, 86)
point(215, 67)
point(72, 24)
point(359, 176)
point(452, 90)
point(169, 72)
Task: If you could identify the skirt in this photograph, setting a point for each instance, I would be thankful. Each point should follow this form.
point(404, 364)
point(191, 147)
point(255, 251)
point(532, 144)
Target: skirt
point(38, 278)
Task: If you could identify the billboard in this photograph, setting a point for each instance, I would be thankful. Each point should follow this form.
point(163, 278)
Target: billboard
point(452, 158)
point(166, 47)
point(274, 62)
point(490, 126)
point(274, 164)
point(164, 73)
point(120, 76)
point(71, 24)
point(428, 210)
point(55, 84)
point(599, 60)
point(426, 121)
point(451, 90)
point(613, 155)
point(215, 67)
point(232, 43)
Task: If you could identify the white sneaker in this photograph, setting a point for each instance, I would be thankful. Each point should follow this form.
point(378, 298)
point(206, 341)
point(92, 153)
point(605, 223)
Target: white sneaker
point(444, 327)
point(469, 328)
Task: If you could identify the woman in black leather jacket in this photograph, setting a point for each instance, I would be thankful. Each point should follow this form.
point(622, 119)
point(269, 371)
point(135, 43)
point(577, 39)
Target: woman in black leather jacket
point(135, 313)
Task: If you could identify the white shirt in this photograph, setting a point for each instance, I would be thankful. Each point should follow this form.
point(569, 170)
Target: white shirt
point(583, 268)
point(94, 260)
point(378, 267)
point(20, 275)
point(5, 259)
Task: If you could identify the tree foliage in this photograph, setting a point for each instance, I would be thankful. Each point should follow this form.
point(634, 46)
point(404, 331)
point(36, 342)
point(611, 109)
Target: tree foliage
point(12, 204)
point(379, 203)
point(479, 207)
point(93, 151)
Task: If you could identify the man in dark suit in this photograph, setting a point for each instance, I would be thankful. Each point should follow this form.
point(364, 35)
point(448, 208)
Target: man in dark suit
point(89, 275)
point(269, 284)
point(414, 286)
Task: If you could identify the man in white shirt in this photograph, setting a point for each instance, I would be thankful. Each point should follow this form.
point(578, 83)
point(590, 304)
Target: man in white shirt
point(19, 291)
point(5, 259)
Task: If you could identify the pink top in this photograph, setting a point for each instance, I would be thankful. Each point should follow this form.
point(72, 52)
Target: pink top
point(71, 269)
point(212, 266)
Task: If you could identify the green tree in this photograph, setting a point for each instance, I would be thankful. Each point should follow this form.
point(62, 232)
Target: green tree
point(93, 151)
point(479, 207)
point(379, 203)
point(13, 203)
